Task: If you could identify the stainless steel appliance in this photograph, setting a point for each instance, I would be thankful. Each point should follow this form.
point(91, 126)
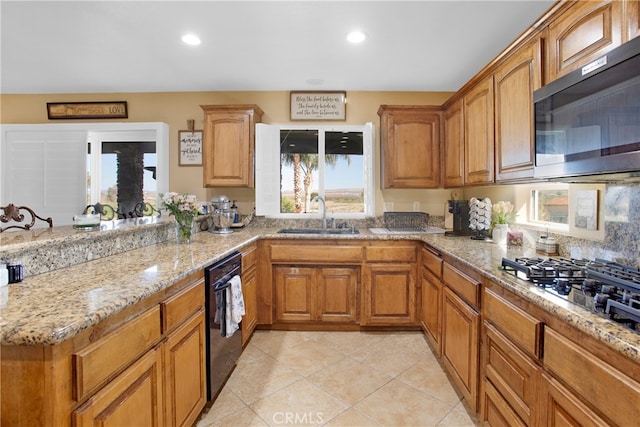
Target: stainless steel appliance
point(223, 215)
point(459, 209)
point(588, 121)
point(222, 352)
point(610, 289)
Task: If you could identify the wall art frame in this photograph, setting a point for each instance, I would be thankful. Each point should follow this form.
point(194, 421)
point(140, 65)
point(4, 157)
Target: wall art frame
point(190, 147)
point(318, 105)
point(87, 110)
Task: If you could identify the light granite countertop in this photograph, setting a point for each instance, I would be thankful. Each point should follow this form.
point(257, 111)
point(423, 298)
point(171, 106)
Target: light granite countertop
point(51, 307)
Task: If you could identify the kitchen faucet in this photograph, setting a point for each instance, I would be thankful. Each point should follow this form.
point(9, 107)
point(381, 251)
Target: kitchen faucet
point(324, 210)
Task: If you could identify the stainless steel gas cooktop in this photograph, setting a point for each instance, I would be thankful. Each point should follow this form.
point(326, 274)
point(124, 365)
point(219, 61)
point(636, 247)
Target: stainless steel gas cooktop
point(607, 288)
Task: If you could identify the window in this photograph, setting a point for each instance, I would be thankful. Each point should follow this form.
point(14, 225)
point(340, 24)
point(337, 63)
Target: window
point(550, 206)
point(125, 174)
point(45, 166)
point(296, 164)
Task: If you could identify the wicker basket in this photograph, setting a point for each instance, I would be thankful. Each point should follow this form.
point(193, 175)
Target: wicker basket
point(406, 220)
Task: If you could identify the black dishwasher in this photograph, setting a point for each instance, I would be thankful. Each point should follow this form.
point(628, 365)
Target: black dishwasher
point(222, 352)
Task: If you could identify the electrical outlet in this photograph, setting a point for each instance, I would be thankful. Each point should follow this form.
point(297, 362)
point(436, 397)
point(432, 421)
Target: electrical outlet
point(416, 206)
point(388, 207)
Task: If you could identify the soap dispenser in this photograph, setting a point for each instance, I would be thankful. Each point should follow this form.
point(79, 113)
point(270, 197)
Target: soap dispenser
point(234, 210)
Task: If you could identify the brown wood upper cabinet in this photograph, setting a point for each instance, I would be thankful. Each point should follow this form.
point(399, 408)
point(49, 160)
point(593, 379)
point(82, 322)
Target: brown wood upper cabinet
point(453, 161)
point(631, 14)
point(410, 136)
point(228, 145)
point(585, 32)
point(515, 80)
point(478, 133)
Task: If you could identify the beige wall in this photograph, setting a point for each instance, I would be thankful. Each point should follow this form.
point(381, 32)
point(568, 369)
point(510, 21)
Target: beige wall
point(176, 108)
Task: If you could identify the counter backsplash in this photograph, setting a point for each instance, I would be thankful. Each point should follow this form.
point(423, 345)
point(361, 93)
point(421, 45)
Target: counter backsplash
point(44, 250)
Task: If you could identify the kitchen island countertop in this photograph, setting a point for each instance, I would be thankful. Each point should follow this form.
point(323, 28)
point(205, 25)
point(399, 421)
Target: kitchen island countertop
point(49, 308)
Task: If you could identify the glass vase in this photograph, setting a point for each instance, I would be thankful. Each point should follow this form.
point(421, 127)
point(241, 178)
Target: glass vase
point(184, 228)
point(499, 234)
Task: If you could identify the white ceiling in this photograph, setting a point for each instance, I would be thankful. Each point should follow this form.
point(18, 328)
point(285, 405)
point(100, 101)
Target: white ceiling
point(135, 46)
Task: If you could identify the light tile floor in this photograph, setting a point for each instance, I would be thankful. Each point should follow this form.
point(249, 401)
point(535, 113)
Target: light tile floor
point(288, 378)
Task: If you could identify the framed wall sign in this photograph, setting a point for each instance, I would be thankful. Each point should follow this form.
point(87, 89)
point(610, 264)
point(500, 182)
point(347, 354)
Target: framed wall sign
point(190, 148)
point(318, 105)
point(87, 110)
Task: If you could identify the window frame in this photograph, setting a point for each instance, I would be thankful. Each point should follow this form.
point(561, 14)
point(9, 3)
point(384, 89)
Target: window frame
point(267, 180)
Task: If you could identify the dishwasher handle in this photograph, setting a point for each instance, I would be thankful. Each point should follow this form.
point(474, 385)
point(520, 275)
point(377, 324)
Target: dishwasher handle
point(223, 282)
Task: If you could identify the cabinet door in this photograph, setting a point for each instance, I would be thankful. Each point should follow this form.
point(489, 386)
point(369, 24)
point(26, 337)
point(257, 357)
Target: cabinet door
point(479, 133)
point(559, 407)
point(295, 293)
point(410, 139)
point(460, 329)
point(431, 308)
point(583, 33)
point(515, 81)
point(185, 372)
point(336, 291)
point(389, 294)
point(228, 145)
point(250, 294)
point(453, 146)
point(133, 398)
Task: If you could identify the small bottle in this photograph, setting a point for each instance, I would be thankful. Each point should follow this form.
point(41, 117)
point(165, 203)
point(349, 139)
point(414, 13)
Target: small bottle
point(234, 209)
point(4, 275)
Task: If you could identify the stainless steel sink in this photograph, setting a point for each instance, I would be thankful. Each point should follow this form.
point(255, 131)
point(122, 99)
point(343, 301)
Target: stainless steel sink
point(319, 231)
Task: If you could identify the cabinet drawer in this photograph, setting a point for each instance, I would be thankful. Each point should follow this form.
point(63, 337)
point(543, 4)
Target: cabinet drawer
point(597, 382)
point(390, 253)
point(178, 307)
point(512, 373)
point(496, 412)
point(326, 254)
point(467, 288)
point(432, 262)
point(519, 326)
point(100, 360)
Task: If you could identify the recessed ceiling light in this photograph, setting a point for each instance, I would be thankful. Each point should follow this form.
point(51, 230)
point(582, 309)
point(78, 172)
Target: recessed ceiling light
point(191, 39)
point(356, 37)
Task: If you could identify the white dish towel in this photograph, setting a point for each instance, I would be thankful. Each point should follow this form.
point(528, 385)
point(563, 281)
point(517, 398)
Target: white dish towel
point(235, 306)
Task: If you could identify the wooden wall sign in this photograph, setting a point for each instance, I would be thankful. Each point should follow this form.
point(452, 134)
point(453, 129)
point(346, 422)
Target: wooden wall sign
point(87, 110)
point(318, 105)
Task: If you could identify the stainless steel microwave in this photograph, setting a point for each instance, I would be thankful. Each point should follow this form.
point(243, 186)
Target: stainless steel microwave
point(588, 122)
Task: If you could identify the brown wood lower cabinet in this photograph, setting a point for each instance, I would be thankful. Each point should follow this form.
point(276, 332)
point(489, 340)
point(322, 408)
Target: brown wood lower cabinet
point(249, 291)
point(388, 295)
point(511, 375)
point(496, 411)
point(132, 398)
point(561, 408)
point(596, 385)
point(315, 294)
point(461, 331)
point(185, 372)
point(431, 308)
point(143, 366)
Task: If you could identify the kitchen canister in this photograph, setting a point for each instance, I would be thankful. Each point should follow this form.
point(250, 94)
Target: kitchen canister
point(16, 273)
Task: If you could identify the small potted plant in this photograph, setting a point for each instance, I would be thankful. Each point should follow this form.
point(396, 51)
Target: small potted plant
point(184, 208)
point(502, 214)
